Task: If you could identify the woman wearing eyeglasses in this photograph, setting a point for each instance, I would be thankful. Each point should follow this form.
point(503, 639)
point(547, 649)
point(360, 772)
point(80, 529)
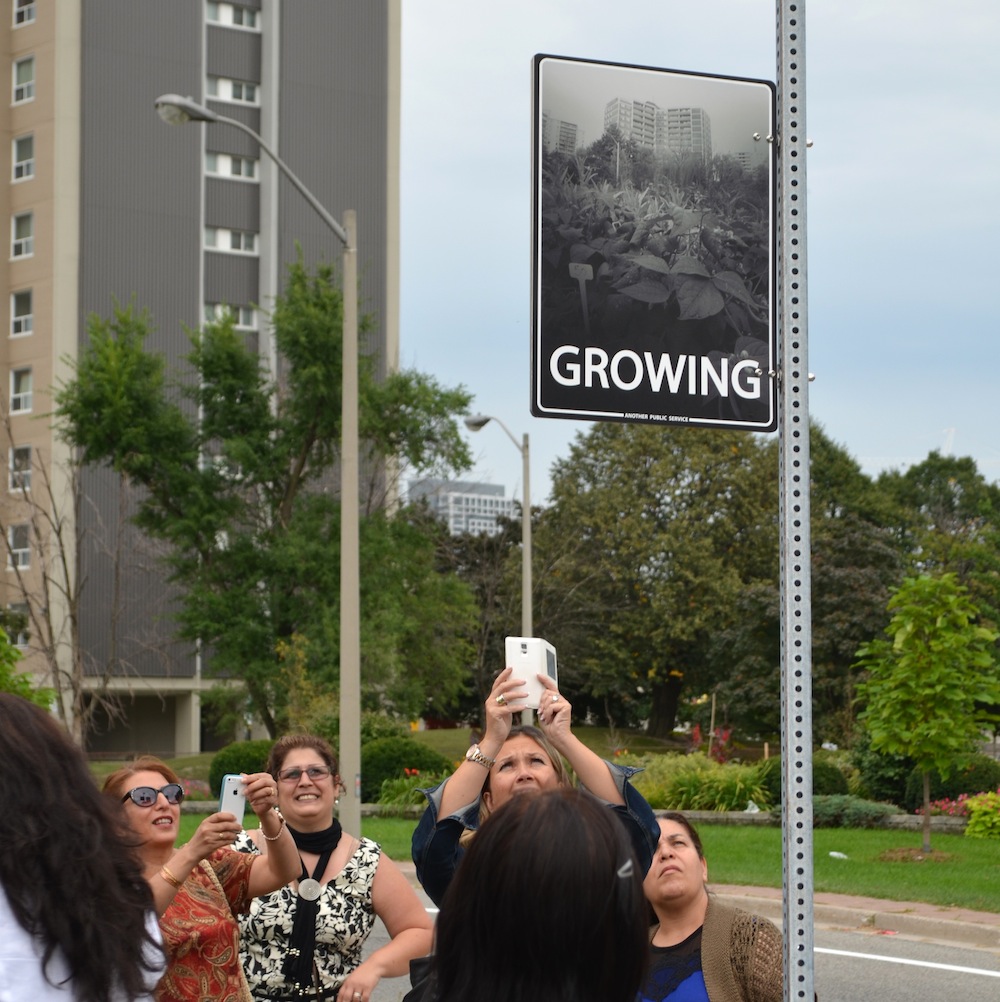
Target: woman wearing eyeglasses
point(200, 888)
point(305, 940)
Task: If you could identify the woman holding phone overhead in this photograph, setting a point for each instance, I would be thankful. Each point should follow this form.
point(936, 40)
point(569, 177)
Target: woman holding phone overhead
point(513, 760)
point(202, 886)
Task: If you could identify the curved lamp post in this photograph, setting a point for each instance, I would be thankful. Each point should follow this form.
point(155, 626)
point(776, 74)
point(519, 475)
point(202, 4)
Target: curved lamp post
point(176, 110)
point(477, 422)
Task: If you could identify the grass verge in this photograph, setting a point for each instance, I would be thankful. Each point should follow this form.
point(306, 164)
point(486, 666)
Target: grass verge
point(961, 872)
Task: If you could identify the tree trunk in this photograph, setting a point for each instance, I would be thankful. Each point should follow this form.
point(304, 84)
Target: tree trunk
point(927, 812)
point(663, 714)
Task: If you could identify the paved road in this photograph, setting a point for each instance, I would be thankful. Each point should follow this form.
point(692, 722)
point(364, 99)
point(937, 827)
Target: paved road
point(864, 948)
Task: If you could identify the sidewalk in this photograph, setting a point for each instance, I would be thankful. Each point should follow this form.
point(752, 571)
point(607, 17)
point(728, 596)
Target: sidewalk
point(913, 919)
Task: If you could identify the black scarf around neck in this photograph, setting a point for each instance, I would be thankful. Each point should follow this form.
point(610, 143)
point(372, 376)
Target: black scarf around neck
point(298, 966)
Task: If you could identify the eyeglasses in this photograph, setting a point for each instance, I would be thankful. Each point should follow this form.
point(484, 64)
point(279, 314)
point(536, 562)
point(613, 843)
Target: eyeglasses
point(145, 796)
point(314, 772)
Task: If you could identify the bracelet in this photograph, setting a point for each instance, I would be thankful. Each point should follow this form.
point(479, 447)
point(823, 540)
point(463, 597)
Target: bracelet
point(170, 878)
point(281, 828)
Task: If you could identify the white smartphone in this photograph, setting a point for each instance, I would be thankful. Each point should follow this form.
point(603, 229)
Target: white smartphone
point(233, 797)
point(531, 657)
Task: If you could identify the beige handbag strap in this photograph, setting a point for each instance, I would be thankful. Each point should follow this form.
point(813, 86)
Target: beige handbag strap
point(244, 989)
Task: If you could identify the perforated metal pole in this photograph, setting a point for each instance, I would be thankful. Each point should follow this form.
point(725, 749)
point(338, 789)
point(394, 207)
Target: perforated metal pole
point(793, 436)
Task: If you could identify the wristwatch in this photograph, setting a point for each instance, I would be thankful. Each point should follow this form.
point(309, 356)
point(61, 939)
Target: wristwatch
point(475, 754)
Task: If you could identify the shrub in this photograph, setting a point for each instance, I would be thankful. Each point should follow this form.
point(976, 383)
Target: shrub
point(388, 758)
point(379, 725)
point(827, 777)
point(696, 783)
point(404, 791)
point(881, 777)
point(844, 811)
point(980, 772)
point(984, 816)
point(240, 756)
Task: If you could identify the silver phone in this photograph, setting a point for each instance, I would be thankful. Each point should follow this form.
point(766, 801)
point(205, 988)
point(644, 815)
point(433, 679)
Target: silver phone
point(233, 797)
point(531, 657)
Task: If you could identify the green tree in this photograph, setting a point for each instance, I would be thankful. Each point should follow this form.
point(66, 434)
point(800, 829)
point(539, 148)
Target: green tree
point(19, 683)
point(237, 473)
point(923, 683)
point(651, 536)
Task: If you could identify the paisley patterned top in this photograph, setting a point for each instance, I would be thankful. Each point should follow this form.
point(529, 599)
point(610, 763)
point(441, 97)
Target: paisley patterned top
point(346, 915)
point(201, 935)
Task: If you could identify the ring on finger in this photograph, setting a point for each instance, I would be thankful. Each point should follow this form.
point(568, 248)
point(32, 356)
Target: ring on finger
point(501, 700)
point(555, 698)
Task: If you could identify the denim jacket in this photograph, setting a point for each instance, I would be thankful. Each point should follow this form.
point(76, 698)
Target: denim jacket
point(436, 850)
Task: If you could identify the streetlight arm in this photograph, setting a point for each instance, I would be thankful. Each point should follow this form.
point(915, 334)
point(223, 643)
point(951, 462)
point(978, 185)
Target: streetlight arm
point(175, 109)
point(477, 421)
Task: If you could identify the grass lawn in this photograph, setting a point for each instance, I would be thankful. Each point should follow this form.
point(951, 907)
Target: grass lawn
point(961, 872)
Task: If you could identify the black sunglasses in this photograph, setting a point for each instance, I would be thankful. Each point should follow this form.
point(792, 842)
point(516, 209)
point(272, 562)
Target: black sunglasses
point(145, 796)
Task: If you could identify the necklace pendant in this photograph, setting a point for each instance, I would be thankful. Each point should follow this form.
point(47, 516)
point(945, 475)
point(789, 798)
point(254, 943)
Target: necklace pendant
point(309, 889)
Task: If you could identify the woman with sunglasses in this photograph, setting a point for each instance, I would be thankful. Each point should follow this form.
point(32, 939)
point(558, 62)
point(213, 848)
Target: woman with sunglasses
point(305, 940)
point(200, 888)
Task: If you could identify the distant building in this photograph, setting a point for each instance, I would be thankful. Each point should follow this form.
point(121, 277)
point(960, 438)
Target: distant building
point(465, 505)
point(559, 136)
point(665, 131)
point(688, 130)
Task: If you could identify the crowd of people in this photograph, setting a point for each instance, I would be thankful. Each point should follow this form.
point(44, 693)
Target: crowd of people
point(550, 890)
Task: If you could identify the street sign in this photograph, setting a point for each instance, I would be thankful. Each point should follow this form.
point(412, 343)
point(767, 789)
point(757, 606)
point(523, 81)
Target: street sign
point(653, 246)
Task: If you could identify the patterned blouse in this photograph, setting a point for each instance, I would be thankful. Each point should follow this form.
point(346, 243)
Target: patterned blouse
point(201, 935)
point(346, 915)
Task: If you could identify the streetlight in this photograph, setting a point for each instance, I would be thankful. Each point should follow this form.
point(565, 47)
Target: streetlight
point(476, 423)
point(176, 110)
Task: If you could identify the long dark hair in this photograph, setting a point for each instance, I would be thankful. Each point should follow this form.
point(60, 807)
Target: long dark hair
point(67, 867)
point(546, 906)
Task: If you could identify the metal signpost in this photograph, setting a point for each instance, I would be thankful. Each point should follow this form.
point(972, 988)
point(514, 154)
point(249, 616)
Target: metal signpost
point(793, 512)
point(653, 313)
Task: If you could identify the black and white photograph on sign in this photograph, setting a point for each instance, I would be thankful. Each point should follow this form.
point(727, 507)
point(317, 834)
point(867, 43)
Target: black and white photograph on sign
point(653, 249)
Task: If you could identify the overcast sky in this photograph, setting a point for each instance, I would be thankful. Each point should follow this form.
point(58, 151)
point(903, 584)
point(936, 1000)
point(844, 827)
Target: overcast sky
point(903, 216)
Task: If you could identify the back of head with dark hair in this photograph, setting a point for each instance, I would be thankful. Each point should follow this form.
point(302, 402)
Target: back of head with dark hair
point(66, 867)
point(546, 906)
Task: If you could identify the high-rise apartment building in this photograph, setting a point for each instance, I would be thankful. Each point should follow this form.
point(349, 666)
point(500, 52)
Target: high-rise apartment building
point(103, 201)
point(465, 505)
point(563, 137)
point(665, 131)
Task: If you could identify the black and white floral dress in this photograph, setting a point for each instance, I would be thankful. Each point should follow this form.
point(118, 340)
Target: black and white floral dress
point(345, 918)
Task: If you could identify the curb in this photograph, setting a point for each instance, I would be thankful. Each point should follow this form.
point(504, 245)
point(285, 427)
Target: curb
point(915, 920)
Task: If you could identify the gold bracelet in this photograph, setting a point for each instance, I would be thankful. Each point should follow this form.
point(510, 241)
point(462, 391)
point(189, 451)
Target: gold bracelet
point(170, 878)
point(281, 828)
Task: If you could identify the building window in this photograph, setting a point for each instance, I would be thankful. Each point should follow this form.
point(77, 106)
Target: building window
point(17, 624)
point(237, 241)
point(20, 391)
point(244, 317)
point(237, 91)
point(20, 468)
point(24, 12)
point(224, 165)
point(232, 15)
point(23, 156)
point(24, 80)
point(19, 546)
point(21, 319)
point(23, 235)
